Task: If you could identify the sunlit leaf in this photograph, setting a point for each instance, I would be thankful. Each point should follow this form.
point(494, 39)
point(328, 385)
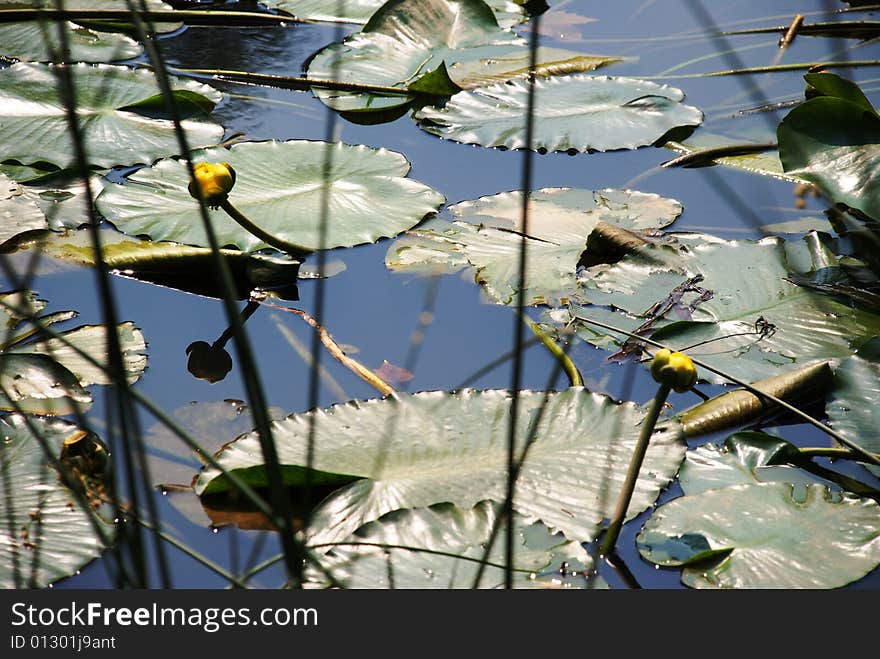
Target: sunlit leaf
point(507, 12)
point(407, 39)
point(572, 113)
point(487, 233)
point(46, 376)
point(766, 535)
point(46, 535)
point(119, 109)
point(765, 163)
point(18, 213)
point(854, 406)
point(745, 457)
point(413, 450)
point(735, 284)
point(835, 144)
point(441, 547)
point(280, 187)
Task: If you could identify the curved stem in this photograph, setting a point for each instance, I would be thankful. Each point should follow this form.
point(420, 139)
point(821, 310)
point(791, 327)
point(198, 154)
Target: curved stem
point(245, 222)
point(632, 475)
point(574, 375)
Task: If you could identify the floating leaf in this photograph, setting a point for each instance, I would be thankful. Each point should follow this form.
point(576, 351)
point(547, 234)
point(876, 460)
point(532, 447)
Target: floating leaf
point(572, 113)
point(119, 109)
point(507, 12)
point(736, 284)
point(18, 213)
point(46, 535)
point(487, 234)
point(47, 376)
point(745, 457)
point(767, 535)
point(765, 163)
point(453, 447)
point(38, 41)
point(183, 267)
point(442, 546)
point(835, 144)
point(854, 408)
point(406, 39)
point(280, 187)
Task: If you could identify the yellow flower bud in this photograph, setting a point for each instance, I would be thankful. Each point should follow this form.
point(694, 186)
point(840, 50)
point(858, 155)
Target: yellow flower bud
point(215, 181)
point(674, 369)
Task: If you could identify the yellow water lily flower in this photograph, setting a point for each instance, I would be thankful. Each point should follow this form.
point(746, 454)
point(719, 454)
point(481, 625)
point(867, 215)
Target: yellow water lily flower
point(215, 181)
point(674, 369)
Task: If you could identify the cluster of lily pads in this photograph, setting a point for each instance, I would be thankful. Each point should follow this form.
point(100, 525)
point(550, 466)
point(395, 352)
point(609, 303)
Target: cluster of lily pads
point(428, 470)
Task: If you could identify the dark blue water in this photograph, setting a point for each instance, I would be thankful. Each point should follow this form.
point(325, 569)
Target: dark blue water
point(375, 310)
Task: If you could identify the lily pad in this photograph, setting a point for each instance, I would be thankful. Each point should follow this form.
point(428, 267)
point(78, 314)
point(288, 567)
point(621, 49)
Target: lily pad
point(745, 457)
point(407, 39)
point(47, 376)
point(572, 113)
point(119, 109)
point(18, 213)
point(507, 12)
point(172, 265)
point(766, 535)
point(854, 408)
point(280, 187)
point(442, 546)
point(46, 536)
point(487, 233)
point(765, 163)
point(736, 283)
point(835, 144)
point(435, 447)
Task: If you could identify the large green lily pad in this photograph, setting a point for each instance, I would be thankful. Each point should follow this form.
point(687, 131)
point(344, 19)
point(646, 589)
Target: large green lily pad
point(572, 113)
point(406, 39)
point(37, 41)
point(854, 406)
point(120, 112)
point(442, 546)
point(486, 234)
point(47, 376)
point(765, 535)
point(507, 12)
point(834, 142)
point(747, 281)
point(413, 450)
point(280, 187)
point(45, 534)
point(18, 213)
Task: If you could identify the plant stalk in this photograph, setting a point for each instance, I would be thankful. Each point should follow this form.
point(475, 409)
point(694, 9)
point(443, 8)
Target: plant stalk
point(245, 222)
point(632, 475)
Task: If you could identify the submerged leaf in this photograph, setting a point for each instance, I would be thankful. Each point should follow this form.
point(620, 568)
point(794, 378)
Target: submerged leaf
point(280, 187)
point(766, 535)
point(572, 113)
point(45, 534)
point(118, 129)
point(413, 450)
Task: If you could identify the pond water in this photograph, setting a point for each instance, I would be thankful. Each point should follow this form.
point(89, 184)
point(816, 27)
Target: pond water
point(376, 311)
